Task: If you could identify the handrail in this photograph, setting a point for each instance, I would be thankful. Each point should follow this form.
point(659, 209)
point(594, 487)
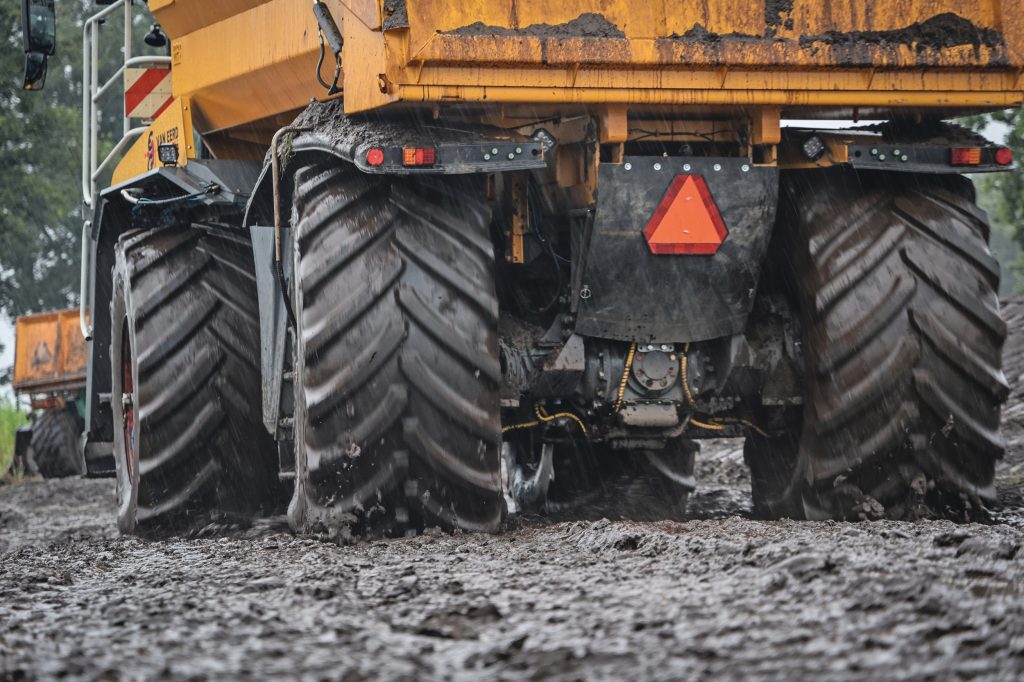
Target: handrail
point(128, 139)
point(92, 168)
point(90, 91)
point(84, 302)
point(142, 60)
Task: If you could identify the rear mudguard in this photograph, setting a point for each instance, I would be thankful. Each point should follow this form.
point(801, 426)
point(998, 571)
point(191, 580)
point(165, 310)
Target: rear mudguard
point(459, 150)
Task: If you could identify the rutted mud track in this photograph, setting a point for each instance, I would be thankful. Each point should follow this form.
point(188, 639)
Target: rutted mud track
point(720, 596)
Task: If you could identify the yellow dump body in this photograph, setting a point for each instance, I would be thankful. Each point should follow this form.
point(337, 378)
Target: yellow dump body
point(242, 68)
point(50, 353)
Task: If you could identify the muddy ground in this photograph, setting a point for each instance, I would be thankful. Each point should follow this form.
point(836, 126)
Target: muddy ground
point(716, 597)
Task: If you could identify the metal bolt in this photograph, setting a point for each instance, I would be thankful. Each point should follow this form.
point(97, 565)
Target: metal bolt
point(487, 157)
point(904, 158)
point(744, 168)
point(666, 347)
point(628, 166)
point(657, 166)
point(874, 152)
point(895, 152)
point(519, 150)
point(494, 151)
point(717, 167)
point(511, 156)
point(585, 292)
point(881, 157)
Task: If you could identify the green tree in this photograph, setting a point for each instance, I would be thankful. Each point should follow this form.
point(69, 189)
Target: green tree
point(39, 153)
point(40, 158)
point(1002, 195)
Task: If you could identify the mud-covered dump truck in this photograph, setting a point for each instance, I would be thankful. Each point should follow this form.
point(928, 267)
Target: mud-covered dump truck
point(50, 360)
point(427, 262)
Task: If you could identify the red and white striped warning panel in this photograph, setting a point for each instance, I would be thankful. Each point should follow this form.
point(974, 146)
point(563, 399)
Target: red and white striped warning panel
point(147, 92)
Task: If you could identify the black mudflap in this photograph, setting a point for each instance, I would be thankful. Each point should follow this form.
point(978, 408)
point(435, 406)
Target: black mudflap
point(629, 293)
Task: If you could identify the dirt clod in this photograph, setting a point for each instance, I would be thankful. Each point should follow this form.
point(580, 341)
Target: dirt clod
point(776, 13)
point(396, 14)
point(588, 25)
point(941, 31)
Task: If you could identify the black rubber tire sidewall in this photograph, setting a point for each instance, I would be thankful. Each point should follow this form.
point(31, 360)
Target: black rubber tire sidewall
point(54, 449)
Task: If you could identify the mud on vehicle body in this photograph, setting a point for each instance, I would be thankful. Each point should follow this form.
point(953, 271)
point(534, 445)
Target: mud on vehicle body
point(528, 250)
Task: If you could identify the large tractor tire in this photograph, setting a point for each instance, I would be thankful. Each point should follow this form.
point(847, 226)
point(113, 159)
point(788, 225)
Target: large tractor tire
point(397, 423)
point(54, 450)
point(902, 341)
point(188, 438)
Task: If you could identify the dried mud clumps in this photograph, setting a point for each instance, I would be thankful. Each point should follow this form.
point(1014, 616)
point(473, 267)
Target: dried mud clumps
point(773, 16)
point(396, 15)
point(699, 34)
point(941, 31)
point(589, 25)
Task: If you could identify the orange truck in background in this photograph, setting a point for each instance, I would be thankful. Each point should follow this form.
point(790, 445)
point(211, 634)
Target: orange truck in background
point(50, 363)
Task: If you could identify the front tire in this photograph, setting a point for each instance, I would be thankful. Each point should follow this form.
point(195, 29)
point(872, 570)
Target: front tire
point(397, 424)
point(188, 436)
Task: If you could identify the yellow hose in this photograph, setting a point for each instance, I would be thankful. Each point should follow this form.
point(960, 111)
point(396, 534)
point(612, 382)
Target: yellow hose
point(625, 376)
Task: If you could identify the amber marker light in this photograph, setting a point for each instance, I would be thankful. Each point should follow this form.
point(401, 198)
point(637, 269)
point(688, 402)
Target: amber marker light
point(966, 156)
point(418, 156)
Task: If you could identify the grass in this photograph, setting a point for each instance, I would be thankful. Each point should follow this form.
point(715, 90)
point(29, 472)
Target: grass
point(10, 419)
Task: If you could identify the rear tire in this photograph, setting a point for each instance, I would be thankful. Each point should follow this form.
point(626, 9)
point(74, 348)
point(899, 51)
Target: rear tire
point(397, 423)
point(897, 290)
point(54, 446)
point(188, 435)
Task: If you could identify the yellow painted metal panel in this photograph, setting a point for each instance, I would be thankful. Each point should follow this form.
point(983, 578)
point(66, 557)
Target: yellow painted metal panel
point(174, 126)
point(252, 64)
point(719, 98)
point(50, 352)
point(662, 19)
point(727, 79)
point(669, 54)
point(369, 53)
point(181, 17)
point(245, 61)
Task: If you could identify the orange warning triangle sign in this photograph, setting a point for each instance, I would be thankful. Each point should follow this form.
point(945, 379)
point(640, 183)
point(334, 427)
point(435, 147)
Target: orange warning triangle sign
point(687, 220)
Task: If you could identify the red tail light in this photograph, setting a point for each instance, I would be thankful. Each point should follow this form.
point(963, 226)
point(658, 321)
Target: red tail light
point(1004, 156)
point(418, 156)
point(966, 156)
point(375, 157)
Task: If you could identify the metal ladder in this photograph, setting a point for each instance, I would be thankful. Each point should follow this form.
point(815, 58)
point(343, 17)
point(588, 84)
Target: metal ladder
point(92, 168)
